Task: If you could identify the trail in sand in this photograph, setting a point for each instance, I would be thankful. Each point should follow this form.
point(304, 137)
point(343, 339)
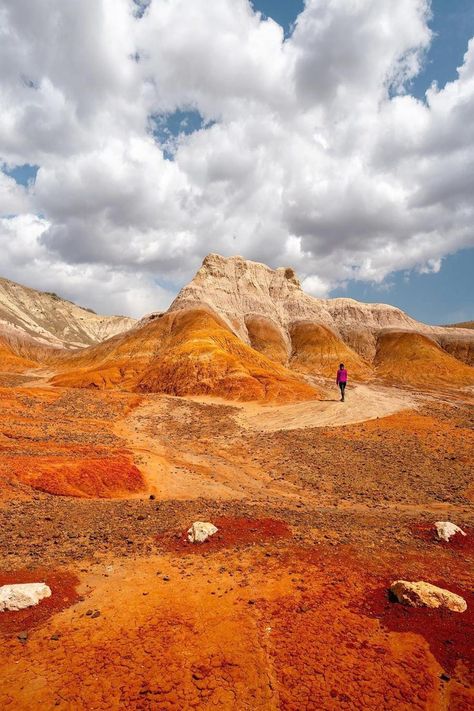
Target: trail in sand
point(363, 402)
point(192, 447)
point(188, 450)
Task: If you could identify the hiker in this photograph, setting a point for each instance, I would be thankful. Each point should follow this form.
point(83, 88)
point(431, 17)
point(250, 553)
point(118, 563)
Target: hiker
point(341, 379)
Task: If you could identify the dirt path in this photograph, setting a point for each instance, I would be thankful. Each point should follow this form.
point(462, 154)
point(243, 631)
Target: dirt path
point(183, 447)
point(181, 471)
point(363, 402)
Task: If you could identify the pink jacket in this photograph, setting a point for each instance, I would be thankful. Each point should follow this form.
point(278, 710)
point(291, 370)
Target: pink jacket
point(341, 376)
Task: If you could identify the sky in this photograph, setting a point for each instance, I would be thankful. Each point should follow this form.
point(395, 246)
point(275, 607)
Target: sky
point(334, 136)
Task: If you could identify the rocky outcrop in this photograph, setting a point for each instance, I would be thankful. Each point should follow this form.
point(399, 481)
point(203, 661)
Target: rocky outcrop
point(21, 595)
point(421, 594)
point(53, 321)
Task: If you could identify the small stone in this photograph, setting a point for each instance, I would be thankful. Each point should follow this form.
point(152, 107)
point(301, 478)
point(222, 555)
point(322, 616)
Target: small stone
point(89, 613)
point(444, 677)
point(95, 614)
point(200, 531)
point(421, 594)
point(152, 497)
point(166, 578)
point(22, 636)
point(21, 595)
point(446, 530)
point(55, 636)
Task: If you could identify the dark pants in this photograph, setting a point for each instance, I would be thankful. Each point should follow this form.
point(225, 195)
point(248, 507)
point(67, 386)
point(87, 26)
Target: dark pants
point(343, 387)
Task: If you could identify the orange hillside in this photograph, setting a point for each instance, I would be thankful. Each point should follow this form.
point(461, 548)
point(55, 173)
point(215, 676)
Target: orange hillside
point(414, 359)
point(11, 362)
point(187, 352)
point(317, 350)
point(267, 338)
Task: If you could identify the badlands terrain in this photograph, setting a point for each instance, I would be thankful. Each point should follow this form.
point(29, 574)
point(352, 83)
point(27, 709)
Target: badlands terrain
point(117, 435)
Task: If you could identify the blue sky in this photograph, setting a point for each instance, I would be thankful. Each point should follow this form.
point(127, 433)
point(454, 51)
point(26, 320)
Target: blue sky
point(284, 148)
point(23, 174)
point(284, 12)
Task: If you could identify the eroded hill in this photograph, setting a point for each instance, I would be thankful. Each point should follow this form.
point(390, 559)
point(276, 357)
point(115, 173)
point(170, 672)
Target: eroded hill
point(52, 320)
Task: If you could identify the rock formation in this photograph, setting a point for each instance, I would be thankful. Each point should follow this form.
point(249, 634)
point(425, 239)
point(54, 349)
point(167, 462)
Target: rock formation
point(200, 531)
point(268, 309)
point(237, 330)
point(446, 530)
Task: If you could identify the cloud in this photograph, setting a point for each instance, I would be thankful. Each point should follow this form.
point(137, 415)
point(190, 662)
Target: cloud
point(14, 198)
point(115, 290)
point(310, 151)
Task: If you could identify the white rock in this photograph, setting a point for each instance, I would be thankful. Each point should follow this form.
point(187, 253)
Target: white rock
point(445, 530)
point(200, 531)
point(21, 595)
point(421, 594)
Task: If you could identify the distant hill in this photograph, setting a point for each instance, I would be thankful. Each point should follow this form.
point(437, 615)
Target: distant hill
point(239, 330)
point(51, 320)
point(463, 324)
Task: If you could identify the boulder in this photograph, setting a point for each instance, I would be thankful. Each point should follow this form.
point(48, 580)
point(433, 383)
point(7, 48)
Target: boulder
point(421, 594)
point(21, 595)
point(200, 531)
point(446, 530)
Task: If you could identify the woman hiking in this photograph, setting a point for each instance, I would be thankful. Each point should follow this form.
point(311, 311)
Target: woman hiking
point(341, 379)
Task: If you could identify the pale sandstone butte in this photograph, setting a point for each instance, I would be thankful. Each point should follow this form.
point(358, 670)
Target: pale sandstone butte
point(53, 321)
point(252, 312)
point(268, 309)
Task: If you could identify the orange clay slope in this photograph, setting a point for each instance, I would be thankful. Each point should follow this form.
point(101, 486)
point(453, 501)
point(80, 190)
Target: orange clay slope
point(267, 338)
point(20, 352)
point(414, 359)
point(10, 362)
point(187, 352)
point(317, 349)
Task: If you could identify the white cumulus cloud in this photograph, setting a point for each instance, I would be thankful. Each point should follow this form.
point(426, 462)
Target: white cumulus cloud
point(312, 151)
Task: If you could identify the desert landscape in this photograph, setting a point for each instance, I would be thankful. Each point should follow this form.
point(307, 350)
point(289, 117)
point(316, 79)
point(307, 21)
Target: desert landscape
point(118, 435)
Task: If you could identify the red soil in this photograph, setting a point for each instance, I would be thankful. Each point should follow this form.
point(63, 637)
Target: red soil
point(261, 627)
point(426, 532)
point(64, 444)
point(233, 532)
point(449, 634)
point(87, 477)
point(63, 588)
